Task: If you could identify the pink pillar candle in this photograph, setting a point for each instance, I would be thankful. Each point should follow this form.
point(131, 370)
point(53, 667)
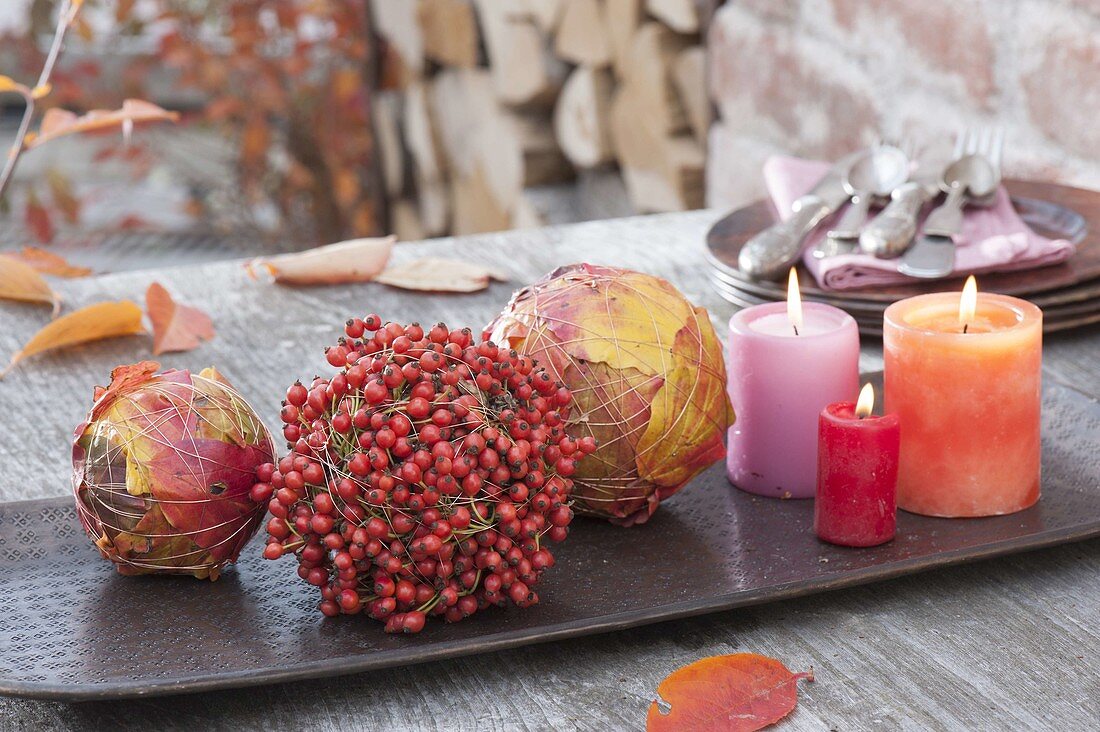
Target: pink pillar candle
point(779, 382)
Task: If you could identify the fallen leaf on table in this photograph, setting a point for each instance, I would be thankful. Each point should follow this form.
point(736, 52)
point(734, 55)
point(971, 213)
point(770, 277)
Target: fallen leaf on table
point(735, 693)
point(435, 274)
point(92, 323)
point(48, 263)
point(176, 327)
point(356, 260)
point(61, 190)
point(20, 281)
point(38, 219)
point(58, 122)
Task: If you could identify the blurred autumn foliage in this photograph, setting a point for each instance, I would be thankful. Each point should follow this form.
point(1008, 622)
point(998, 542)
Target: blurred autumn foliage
point(286, 80)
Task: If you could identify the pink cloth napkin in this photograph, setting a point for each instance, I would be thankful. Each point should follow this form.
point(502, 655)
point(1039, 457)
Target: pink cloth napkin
point(992, 239)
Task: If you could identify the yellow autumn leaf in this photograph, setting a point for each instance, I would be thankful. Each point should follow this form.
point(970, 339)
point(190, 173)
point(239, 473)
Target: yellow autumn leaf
point(631, 325)
point(20, 281)
point(690, 415)
point(91, 323)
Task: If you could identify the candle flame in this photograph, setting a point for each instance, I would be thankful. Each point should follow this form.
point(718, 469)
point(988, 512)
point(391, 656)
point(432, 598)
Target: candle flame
point(794, 302)
point(866, 402)
point(968, 303)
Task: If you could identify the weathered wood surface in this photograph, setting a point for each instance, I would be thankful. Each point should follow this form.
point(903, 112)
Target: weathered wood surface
point(1012, 643)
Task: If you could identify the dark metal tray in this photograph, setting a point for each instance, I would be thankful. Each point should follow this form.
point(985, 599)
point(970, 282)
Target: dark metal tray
point(75, 630)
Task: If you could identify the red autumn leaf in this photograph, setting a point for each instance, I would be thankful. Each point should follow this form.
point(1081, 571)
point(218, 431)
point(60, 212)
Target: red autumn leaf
point(48, 263)
point(735, 693)
point(176, 327)
point(59, 122)
point(186, 473)
point(38, 219)
point(130, 222)
point(123, 378)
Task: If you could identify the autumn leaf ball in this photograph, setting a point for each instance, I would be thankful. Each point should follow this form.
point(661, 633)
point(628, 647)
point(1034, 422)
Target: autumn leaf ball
point(164, 471)
point(647, 374)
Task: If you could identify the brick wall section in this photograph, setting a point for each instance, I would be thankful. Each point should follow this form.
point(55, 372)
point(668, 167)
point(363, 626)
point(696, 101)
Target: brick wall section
point(821, 77)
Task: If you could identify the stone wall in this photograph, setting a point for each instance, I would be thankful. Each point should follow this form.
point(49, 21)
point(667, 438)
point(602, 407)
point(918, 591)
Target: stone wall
point(822, 77)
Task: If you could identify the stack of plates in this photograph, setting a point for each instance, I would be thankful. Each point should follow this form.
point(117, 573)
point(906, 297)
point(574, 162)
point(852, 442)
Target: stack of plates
point(1068, 293)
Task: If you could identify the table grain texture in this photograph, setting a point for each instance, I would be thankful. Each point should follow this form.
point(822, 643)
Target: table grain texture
point(1011, 643)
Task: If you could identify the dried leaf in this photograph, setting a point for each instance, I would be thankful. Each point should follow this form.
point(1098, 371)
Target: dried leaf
point(60, 122)
point(123, 10)
point(83, 28)
point(735, 693)
point(63, 197)
point(435, 274)
point(92, 323)
point(38, 219)
point(21, 281)
point(176, 327)
point(8, 84)
point(122, 378)
point(49, 263)
point(356, 260)
point(131, 222)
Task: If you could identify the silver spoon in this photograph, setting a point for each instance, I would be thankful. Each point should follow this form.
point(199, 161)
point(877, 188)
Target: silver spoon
point(970, 179)
point(873, 175)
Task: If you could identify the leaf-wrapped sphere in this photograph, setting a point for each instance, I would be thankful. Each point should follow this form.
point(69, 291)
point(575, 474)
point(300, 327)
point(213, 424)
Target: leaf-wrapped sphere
point(647, 375)
point(164, 470)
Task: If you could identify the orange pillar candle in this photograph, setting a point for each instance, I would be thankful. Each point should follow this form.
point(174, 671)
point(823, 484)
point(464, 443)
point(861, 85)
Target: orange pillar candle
point(963, 376)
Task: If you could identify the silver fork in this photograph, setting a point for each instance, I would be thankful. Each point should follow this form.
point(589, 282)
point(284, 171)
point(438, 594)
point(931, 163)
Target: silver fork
point(972, 178)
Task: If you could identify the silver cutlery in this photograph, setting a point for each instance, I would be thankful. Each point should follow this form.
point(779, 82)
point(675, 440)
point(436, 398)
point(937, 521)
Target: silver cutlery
point(972, 179)
point(873, 175)
point(891, 232)
point(771, 253)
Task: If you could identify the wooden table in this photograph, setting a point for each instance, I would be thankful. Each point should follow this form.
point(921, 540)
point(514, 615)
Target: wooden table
point(1012, 643)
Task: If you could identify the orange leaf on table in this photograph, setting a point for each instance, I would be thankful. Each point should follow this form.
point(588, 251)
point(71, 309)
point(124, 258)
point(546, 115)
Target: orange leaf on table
point(61, 190)
point(735, 693)
point(21, 281)
point(38, 219)
point(91, 323)
point(60, 122)
point(8, 84)
point(176, 327)
point(48, 263)
point(356, 260)
point(435, 274)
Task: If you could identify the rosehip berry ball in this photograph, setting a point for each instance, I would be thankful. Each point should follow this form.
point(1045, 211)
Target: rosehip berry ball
point(428, 476)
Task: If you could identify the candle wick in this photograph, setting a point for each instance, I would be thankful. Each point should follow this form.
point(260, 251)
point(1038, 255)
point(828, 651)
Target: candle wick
point(795, 328)
point(965, 326)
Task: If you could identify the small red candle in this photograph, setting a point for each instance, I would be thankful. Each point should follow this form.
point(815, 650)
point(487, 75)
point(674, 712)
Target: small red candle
point(857, 473)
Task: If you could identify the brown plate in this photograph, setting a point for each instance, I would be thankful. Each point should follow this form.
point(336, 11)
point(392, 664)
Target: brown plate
point(1054, 210)
point(76, 630)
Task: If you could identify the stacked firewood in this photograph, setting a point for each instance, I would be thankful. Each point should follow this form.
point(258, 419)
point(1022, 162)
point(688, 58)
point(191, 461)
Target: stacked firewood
point(481, 99)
